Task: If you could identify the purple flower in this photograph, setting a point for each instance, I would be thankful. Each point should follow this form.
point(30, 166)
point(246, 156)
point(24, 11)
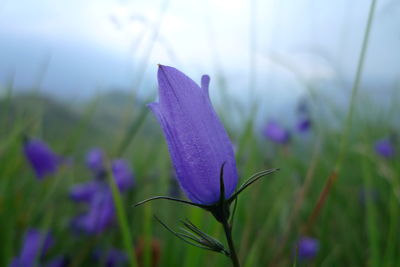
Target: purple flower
point(42, 159)
point(303, 124)
point(385, 148)
point(123, 174)
point(100, 215)
point(85, 192)
point(111, 258)
point(95, 160)
point(35, 245)
point(307, 248)
point(276, 133)
point(97, 194)
point(197, 141)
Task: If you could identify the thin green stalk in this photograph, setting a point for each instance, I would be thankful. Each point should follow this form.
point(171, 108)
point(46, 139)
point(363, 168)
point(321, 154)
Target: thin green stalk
point(372, 228)
point(132, 131)
point(356, 85)
point(232, 251)
point(128, 136)
point(346, 132)
point(391, 240)
point(123, 221)
point(147, 239)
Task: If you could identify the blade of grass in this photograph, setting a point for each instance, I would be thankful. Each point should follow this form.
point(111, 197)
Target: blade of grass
point(371, 214)
point(147, 232)
point(391, 239)
point(348, 123)
point(122, 220)
point(356, 85)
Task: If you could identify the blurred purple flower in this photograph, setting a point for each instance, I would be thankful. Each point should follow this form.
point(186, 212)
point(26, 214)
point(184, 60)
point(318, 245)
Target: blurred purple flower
point(303, 124)
point(123, 174)
point(276, 133)
point(35, 245)
point(85, 192)
point(100, 215)
point(111, 258)
point(42, 159)
point(97, 194)
point(385, 148)
point(307, 248)
point(95, 160)
point(197, 141)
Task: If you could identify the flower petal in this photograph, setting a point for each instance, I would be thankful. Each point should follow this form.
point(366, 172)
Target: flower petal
point(197, 141)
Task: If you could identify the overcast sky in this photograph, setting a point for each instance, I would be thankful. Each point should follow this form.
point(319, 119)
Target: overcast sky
point(93, 45)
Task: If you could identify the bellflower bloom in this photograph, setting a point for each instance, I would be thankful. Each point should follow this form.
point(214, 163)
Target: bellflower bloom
point(100, 215)
point(97, 195)
point(123, 174)
point(303, 124)
point(307, 248)
point(42, 159)
point(384, 148)
point(197, 141)
point(35, 245)
point(95, 160)
point(276, 133)
point(85, 192)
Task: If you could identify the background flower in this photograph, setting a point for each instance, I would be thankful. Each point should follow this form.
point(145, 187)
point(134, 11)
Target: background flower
point(34, 247)
point(307, 248)
point(385, 148)
point(95, 160)
point(42, 159)
point(122, 174)
point(276, 133)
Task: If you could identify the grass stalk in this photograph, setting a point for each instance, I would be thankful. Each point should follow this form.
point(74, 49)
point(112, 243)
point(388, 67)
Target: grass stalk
point(349, 118)
point(122, 221)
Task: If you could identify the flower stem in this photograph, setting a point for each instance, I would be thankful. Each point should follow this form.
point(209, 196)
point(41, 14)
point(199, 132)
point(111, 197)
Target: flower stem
point(232, 251)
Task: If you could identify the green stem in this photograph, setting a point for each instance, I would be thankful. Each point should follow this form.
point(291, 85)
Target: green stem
point(123, 221)
point(356, 85)
point(232, 251)
point(349, 118)
point(371, 215)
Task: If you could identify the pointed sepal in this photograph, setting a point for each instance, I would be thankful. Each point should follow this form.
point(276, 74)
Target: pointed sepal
point(192, 235)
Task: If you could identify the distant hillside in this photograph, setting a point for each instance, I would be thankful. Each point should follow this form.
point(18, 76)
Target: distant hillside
point(89, 124)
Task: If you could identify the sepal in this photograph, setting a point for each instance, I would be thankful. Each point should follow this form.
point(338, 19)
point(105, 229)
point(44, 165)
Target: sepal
point(221, 209)
point(192, 235)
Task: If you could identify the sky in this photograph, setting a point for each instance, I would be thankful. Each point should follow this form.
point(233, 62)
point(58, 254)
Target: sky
point(76, 49)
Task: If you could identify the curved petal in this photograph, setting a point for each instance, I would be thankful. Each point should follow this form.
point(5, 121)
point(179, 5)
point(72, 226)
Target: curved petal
point(197, 141)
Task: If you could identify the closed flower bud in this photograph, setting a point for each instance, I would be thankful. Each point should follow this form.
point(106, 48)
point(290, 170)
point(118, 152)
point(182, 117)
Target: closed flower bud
point(197, 141)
